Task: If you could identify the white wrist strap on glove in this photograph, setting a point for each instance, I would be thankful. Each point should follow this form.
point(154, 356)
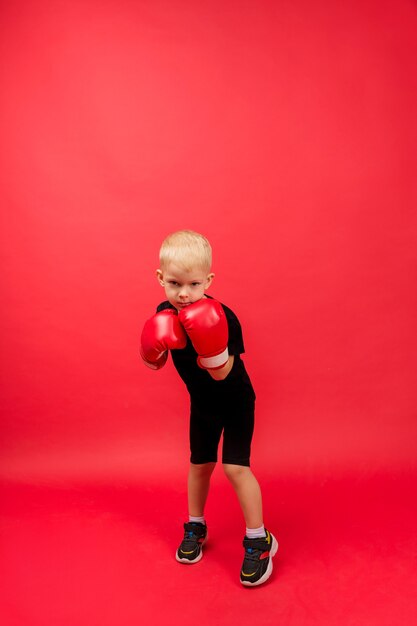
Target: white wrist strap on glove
point(214, 362)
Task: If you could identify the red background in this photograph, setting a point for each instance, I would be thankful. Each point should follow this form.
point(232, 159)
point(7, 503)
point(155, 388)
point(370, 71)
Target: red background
point(286, 133)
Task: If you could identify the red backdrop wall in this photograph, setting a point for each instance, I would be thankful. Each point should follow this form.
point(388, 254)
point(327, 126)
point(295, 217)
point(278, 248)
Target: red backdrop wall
point(286, 133)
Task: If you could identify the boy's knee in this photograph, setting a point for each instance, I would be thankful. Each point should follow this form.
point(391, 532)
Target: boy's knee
point(234, 472)
point(202, 469)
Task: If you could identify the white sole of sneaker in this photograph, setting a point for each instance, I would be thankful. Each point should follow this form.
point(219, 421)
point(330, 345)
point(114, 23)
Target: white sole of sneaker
point(268, 572)
point(197, 559)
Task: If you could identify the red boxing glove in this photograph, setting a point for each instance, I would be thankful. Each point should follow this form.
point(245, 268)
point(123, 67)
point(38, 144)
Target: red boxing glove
point(161, 333)
point(205, 323)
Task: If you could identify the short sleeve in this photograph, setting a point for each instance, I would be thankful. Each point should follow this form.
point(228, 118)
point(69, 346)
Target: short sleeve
point(164, 305)
point(235, 344)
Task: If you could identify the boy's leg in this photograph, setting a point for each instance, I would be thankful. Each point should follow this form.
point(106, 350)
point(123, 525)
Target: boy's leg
point(198, 487)
point(195, 531)
point(257, 563)
point(205, 433)
point(248, 492)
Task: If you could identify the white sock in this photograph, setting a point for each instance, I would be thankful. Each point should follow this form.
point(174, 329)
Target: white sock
point(255, 533)
point(196, 520)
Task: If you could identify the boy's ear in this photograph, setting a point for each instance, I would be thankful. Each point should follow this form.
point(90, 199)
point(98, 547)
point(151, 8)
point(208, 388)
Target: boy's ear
point(209, 280)
point(160, 278)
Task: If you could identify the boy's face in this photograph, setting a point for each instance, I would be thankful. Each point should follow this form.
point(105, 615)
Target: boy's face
point(183, 287)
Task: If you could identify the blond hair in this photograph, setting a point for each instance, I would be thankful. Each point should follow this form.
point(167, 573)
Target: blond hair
point(187, 249)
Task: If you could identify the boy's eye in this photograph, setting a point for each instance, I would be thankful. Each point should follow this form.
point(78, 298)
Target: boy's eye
point(195, 284)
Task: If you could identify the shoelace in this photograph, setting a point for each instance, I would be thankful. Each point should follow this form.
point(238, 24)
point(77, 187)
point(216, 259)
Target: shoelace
point(190, 536)
point(191, 533)
point(252, 554)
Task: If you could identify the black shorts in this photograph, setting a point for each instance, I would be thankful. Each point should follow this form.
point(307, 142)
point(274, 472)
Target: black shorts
point(235, 421)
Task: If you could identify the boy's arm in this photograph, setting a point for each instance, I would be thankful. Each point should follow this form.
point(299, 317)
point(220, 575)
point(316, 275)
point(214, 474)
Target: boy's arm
point(223, 372)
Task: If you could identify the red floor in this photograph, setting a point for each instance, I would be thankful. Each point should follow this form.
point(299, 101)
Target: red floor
point(104, 555)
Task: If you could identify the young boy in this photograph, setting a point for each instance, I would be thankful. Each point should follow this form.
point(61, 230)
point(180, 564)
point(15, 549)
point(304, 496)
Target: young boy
point(205, 340)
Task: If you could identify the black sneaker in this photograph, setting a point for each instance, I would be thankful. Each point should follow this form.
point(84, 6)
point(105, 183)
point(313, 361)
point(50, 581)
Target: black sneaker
point(257, 564)
point(190, 550)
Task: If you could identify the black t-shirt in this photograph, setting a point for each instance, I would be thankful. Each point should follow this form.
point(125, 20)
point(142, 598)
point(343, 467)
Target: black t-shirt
point(201, 386)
